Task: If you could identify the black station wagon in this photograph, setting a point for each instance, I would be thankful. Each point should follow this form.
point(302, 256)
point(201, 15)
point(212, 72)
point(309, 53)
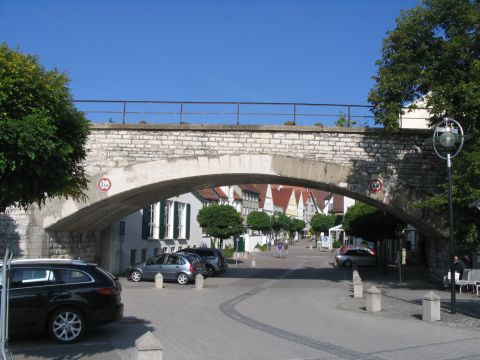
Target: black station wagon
point(61, 297)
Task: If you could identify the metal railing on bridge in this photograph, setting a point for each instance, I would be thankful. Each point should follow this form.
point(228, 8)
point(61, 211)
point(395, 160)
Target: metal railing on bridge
point(228, 113)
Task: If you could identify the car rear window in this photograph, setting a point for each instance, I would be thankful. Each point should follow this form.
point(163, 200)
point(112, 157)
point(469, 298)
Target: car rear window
point(72, 276)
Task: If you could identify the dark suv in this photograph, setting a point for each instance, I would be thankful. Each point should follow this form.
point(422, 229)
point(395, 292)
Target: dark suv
point(214, 260)
point(61, 297)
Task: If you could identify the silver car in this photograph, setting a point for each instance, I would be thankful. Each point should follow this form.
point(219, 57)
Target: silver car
point(358, 256)
point(179, 267)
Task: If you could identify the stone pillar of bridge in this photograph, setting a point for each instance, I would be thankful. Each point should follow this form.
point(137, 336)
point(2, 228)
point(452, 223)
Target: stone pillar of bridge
point(75, 245)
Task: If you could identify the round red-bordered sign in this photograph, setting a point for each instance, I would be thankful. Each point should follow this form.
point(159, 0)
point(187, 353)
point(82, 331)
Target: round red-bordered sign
point(375, 185)
point(104, 184)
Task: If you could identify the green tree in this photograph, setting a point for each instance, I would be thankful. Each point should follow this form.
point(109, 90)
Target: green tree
point(220, 221)
point(370, 223)
point(296, 225)
point(280, 222)
point(42, 135)
point(321, 223)
point(259, 220)
point(434, 54)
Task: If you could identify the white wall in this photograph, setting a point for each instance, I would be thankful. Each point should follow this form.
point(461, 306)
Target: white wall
point(120, 247)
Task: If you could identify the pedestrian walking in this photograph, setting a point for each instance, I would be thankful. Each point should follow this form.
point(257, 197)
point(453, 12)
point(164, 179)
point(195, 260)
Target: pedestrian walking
point(279, 247)
point(286, 249)
point(458, 268)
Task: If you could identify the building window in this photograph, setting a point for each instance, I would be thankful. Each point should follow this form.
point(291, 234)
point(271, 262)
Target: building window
point(133, 256)
point(155, 251)
point(168, 220)
point(152, 226)
point(181, 220)
point(144, 255)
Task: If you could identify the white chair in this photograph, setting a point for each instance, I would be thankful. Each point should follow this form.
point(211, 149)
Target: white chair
point(466, 280)
point(473, 280)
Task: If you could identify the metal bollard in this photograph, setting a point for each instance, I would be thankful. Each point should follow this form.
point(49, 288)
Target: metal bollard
point(430, 307)
point(374, 300)
point(159, 281)
point(254, 262)
point(199, 280)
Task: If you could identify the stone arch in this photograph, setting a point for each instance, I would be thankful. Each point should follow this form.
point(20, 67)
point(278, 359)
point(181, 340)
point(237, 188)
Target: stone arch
point(141, 184)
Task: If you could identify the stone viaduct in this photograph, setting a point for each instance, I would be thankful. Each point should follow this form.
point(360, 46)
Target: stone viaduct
point(146, 163)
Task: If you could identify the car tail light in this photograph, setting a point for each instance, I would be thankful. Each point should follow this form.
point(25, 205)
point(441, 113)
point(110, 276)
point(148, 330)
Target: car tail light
point(192, 268)
point(108, 291)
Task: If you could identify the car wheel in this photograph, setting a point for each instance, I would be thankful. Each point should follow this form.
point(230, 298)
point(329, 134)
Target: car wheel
point(67, 325)
point(136, 275)
point(182, 279)
point(347, 263)
point(211, 271)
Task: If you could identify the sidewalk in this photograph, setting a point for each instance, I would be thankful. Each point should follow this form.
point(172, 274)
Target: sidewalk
point(404, 300)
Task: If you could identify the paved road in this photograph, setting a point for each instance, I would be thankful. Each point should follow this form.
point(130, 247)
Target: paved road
point(293, 308)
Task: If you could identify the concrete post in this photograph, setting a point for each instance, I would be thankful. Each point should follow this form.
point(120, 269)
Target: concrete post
point(356, 276)
point(159, 281)
point(148, 347)
point(199, 280)
point(374, 300)
point(357, 288)
point(431, 307)
point(254, 262)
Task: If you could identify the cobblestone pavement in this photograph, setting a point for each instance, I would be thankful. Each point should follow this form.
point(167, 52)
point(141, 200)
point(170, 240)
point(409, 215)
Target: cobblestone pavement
point(295, 308)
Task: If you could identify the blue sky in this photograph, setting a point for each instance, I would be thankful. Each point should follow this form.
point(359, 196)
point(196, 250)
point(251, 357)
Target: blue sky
point(320, 51)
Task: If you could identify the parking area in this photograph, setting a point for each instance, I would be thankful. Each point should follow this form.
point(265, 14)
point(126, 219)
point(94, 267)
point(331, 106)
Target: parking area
point(283, 308)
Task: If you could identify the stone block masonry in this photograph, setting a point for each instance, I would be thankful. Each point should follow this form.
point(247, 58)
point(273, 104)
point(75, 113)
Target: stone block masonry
point(404, 154)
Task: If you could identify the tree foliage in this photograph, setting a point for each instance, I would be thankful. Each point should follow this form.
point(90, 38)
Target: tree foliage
point(259, 220)
point(434, 54)
point(370, 223)
point(297, 225)
point(280, 222)
point(220, 221)
point(321, 223)
point(42, 135)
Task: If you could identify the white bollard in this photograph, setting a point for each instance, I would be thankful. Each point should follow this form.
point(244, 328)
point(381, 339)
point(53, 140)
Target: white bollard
point(148, 347)
point(159, 281)
point(374, 300)
point(254, 262)
point(430, 307)
point(199, 280)
point(357, 289)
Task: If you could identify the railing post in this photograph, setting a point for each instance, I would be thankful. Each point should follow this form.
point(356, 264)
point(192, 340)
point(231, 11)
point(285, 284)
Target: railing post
point(181, 113)
point(349, 117)
point(238, 114)
point(124, 111)
point(294, 114)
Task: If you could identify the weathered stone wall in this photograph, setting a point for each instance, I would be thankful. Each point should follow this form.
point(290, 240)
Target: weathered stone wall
point(403, 155)
point(74, 245)
point(13, 231)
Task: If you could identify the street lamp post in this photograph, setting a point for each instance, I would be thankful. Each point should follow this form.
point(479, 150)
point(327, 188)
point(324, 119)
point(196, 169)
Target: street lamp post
point(449, 133)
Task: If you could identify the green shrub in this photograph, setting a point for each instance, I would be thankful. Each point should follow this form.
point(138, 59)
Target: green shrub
point(336, 244)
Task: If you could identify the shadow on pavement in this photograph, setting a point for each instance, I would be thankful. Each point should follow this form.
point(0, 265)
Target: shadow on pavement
point(97, 343)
